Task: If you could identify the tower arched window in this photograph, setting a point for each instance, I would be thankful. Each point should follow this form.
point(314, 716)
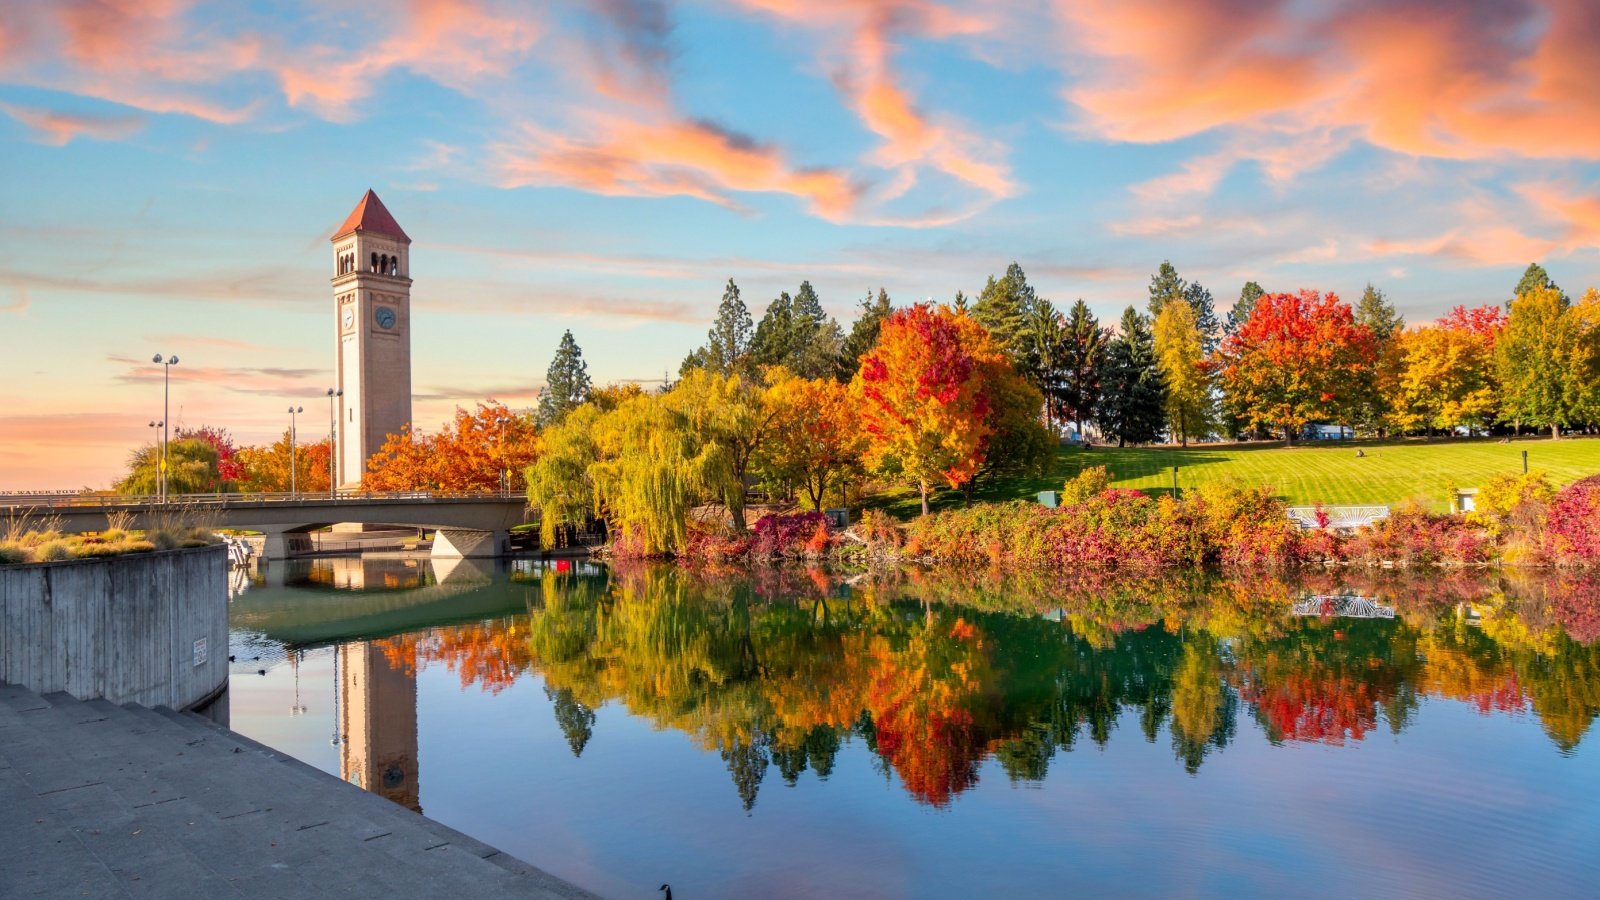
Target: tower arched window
point(374, 261)
point(394, 266)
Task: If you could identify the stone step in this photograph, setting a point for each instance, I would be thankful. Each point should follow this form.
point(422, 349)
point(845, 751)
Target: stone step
point(104, 800)
point(408, 830)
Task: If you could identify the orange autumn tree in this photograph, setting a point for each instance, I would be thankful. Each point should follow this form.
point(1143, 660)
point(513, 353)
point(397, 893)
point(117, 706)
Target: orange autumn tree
point(923, 400)
point(816, 439)
point(1299, 358)
point(480, 451)
point(267, 468)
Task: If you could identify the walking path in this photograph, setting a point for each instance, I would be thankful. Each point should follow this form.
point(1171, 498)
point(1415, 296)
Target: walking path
point(101, 800)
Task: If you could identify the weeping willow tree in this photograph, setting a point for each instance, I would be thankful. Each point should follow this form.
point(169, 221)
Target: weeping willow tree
point(650, 470)
point(730, 415)
point(193, 467)
point(558, 483)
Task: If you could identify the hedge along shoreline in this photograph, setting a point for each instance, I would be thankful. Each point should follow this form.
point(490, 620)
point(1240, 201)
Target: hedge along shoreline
point(1521, 521)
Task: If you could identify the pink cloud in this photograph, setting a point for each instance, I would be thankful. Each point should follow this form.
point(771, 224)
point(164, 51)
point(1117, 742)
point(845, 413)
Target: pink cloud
point(457, 43)
point(59, 128)
point(674, 157)
point(859, 42)
point(1474, 79)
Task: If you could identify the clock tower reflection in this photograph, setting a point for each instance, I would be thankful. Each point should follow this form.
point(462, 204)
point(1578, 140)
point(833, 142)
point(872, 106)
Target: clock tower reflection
point(378, 721)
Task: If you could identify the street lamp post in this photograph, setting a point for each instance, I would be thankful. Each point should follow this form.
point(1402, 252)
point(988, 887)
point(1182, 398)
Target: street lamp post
point(293, 410)
point(157, 442)
point(333, 430)
point(166, 414)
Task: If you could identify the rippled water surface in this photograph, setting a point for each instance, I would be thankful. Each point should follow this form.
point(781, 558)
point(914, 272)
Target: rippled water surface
point(802, 734)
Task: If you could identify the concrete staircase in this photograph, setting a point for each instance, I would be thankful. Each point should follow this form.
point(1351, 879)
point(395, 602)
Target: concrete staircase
point(101, 800)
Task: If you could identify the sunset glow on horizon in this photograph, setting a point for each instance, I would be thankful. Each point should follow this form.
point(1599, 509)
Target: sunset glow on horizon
point(171, 172)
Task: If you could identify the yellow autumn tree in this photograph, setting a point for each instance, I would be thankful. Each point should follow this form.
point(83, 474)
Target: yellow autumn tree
point(1181, 356)
point(815, 439)
point(1442, 376)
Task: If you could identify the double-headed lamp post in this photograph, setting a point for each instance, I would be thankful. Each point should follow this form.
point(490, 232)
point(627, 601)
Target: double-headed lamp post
point(333, 431)
point(293, 462)
point(166, 414)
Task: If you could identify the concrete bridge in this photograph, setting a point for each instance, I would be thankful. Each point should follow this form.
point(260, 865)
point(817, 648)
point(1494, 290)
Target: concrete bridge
point(464, 524)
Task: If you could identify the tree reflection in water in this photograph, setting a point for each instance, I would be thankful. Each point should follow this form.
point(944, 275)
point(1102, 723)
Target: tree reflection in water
point(938, 673)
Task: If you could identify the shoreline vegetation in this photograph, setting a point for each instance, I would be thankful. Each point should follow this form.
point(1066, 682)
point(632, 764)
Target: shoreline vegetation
point(1520, 520)
point(29, 538)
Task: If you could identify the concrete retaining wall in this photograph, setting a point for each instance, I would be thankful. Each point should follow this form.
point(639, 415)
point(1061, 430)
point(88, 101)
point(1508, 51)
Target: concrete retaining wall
point(125, 628)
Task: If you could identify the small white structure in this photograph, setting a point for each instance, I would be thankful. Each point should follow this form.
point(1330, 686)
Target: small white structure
point(1465, 500)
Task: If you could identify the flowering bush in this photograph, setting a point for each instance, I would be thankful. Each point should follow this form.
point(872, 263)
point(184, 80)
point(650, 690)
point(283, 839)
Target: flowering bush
point(1572, 529)
point(1413, 536)
point(1117, 528)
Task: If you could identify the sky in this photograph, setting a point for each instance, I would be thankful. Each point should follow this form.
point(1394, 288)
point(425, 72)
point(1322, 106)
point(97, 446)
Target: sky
point(171, 173)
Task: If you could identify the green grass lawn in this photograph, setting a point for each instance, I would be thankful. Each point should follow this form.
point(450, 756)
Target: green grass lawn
point(1328, 473)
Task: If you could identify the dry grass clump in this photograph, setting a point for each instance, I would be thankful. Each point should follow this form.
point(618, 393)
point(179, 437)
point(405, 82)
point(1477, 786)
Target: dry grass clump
point(27, 536)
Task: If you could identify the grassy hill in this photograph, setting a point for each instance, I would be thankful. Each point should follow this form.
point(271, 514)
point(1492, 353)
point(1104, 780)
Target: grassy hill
point(1329, 473)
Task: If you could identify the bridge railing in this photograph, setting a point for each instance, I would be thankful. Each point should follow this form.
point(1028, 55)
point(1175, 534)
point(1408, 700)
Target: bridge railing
point(1337, 516)
point(106, 499)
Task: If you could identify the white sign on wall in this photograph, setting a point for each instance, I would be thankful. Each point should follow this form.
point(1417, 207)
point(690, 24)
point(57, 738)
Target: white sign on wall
point(200, 652)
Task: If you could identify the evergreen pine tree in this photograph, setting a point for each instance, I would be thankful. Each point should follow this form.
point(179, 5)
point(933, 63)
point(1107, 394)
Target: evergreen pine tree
point(727, 348)
point(775, 338)
point(1133, 397)
point(1376, 312)
point(961, 304)
point(817, 340)
point(1536, 278)
point(1004, 307)
point(863, 333)
point(1082, 358)
point(576, 720)
point(1205, 316)
point(566, 383)
point(1165, 285)
point(1242, 309)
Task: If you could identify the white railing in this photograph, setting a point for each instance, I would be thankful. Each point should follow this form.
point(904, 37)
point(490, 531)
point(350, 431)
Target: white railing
point(1345, 606)
point(101, 499)
point(1337, 516)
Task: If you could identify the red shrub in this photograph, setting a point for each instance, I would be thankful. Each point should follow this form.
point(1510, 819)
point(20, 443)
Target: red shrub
point(1572, 529)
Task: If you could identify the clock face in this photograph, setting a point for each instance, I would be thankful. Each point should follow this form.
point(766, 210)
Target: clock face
point(385, 317)
point(349, 317)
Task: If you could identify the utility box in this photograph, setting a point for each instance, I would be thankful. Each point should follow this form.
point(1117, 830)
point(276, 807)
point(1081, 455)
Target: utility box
point(1052, 499)
point(838, 518)
point(1465, 500)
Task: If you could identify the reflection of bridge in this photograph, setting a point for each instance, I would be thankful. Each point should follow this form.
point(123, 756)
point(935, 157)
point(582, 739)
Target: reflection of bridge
point(1344, 606)
point(463, 524)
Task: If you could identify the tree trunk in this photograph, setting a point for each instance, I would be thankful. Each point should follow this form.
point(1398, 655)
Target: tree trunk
point(924, 485)
point(1288, 437)
point(966, 494)
point(1555, 432)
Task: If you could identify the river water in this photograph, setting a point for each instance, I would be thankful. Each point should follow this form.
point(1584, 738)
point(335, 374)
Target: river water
point(798, 733)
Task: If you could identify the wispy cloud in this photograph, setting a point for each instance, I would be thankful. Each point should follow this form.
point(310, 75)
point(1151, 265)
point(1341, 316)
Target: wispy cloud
point(59, 128)
point(19, 302)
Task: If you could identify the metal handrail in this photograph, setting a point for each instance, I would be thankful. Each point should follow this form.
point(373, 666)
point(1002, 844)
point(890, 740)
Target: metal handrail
point(70, 499)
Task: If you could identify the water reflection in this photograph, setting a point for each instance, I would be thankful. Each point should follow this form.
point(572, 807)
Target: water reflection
point(936, 675)
point(378, 723)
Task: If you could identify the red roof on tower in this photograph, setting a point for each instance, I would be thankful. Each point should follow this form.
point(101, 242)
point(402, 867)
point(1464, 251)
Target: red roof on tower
point(371, 216)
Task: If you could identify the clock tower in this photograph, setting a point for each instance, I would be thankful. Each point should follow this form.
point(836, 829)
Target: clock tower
point(372, 319)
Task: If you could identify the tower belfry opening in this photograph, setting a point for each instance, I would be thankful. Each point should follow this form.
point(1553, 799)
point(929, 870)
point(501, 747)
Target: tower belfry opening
point(372, 322)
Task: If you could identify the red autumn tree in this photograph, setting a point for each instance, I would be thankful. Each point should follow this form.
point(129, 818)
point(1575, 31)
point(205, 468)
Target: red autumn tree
point(1485, 322)
point(1299, 358)
point(923, 399)
point(480, 451)
point(229, 468)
